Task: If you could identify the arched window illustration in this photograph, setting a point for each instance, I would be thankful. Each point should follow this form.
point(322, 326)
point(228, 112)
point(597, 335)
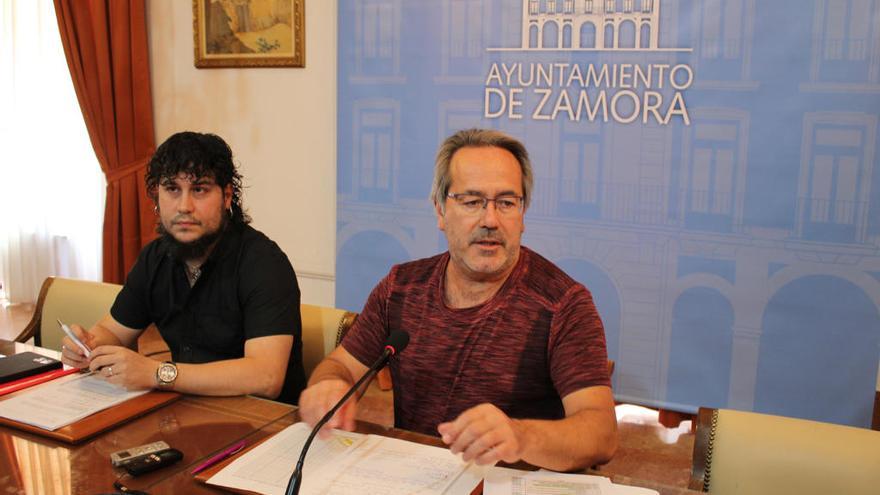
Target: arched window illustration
point(609, 35)
point(588, 35)
point(566, 36)
point(819, 340)
point(362, 261)
point(533, 36)
point(645, 36)
point(701, 347)
point(550, 38)
point(605, 296)
point(627, 35)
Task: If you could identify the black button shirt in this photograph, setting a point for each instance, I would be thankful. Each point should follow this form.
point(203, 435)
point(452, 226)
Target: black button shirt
point(247, 289)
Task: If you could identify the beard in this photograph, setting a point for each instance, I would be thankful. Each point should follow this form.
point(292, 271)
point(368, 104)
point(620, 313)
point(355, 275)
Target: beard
point(194, 249)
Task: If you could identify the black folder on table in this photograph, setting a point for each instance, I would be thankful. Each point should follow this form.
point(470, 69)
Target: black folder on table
point(26, 364)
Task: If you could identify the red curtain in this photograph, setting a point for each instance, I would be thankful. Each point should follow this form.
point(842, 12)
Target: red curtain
point(105, 42)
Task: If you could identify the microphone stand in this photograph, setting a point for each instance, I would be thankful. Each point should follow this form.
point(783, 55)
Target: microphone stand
point(296, 478)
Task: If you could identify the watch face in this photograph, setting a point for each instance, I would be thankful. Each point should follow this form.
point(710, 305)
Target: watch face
point(167, 372)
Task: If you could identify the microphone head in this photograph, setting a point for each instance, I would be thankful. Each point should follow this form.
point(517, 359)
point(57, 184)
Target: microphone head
point(397, 341)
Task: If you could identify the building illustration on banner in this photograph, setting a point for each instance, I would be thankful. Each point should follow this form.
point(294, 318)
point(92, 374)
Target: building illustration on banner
point(696, 240)
point(590, 25)
point(624, 92)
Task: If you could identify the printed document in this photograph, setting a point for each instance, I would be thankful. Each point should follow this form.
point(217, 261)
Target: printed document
point(349, 463)
point(62, 402)
point(506, 481)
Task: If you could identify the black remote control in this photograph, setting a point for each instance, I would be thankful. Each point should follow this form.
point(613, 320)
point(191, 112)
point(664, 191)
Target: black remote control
point(153, 461)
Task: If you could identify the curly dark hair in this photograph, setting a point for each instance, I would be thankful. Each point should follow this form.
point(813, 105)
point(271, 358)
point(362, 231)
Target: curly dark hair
point(198, 155)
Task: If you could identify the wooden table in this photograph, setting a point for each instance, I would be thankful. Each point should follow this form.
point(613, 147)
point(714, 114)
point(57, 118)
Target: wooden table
point(202, 426)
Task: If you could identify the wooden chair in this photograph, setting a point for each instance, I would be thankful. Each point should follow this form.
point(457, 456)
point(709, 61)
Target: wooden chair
point(322, 330)
point(739, 452)
point(72, 301)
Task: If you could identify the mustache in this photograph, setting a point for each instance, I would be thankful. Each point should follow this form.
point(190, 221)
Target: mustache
point(491, 235)
point(180, 219)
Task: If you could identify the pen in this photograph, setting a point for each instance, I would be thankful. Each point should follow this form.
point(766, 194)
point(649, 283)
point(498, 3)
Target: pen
point(231, 451)
point(74, 338)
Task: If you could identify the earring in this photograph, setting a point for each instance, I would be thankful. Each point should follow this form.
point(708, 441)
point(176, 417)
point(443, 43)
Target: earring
point(156, 209)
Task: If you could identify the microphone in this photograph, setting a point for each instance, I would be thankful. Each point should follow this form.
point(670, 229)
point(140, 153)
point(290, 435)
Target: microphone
point(397, 342)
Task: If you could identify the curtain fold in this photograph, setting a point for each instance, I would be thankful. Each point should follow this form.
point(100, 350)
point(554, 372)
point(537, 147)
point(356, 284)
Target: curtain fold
point(105, 42)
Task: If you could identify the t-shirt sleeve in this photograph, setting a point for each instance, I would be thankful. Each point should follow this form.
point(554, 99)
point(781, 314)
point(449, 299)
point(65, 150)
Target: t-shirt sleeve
point(132, 305)
point(270, 295)
point(365, 339)
point(577, 354)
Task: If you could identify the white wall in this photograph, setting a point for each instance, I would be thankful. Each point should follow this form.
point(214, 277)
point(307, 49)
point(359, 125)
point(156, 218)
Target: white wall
point(280, 123)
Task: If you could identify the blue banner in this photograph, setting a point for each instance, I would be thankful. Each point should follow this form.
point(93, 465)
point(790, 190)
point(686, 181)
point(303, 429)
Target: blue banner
point(704, 167)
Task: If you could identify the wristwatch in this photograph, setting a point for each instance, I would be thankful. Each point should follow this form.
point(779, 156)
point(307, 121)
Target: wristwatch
point(166, 374)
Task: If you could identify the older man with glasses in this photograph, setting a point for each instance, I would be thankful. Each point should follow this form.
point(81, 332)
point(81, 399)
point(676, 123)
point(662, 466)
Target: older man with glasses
point(507, 357)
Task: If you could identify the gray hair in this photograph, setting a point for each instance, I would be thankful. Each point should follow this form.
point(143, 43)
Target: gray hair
point(478, 138)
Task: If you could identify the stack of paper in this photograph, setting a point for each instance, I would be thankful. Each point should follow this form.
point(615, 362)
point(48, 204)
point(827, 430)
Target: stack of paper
point(349, 463)
point(504, 481)
point(62, 402)
point(356, 464)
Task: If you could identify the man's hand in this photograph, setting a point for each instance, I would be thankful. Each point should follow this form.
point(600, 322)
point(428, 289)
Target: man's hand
point(319, 398)
point(71, 354)
point(485, 435)
point(124, 367)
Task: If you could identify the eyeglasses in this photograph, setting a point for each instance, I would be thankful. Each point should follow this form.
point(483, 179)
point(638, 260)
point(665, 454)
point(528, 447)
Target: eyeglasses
point(473, 203)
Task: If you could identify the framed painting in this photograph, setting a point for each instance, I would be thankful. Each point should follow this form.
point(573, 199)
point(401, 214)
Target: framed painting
point(249, 33)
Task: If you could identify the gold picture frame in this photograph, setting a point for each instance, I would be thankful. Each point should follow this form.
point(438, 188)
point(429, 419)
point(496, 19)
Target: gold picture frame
point(249, 33)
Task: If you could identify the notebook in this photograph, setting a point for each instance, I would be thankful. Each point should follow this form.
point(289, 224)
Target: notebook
point(22, 365)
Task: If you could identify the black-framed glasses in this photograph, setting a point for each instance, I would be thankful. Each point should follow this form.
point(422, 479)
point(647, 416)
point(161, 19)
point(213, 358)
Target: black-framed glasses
point(474, 203)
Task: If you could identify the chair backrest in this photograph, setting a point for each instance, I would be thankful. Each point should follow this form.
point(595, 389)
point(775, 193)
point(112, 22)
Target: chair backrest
point(739, 452)
point(322, 330)
point(72, 301)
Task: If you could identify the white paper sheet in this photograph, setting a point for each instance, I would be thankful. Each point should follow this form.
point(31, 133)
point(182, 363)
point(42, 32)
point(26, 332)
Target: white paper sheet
point(505, 481)
point(62, 402)
point(389, 466)
point(347, 463)
point(267, 468)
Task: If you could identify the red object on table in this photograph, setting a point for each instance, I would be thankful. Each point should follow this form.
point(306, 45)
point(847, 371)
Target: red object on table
point(30, 381)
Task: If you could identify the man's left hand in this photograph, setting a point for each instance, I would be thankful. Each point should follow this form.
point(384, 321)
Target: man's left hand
point(485, 435)
point(124, 367)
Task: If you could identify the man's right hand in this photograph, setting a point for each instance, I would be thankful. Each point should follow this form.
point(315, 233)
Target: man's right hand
point(71, 354)
point(319, 398)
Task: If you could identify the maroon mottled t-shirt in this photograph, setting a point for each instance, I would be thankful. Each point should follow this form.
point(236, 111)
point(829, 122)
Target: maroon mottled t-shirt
point(537, 340)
